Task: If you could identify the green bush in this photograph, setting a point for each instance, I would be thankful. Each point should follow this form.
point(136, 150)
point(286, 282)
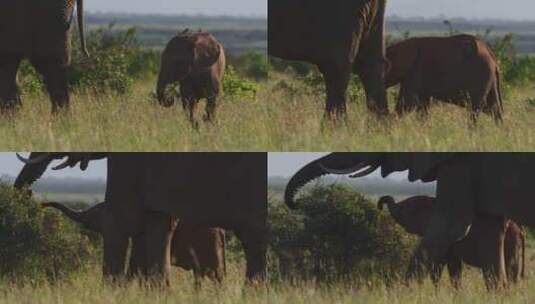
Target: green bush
point(39, 243)
point(116, 60)
point(255, 65)
point(235, 86)
point(337, 233)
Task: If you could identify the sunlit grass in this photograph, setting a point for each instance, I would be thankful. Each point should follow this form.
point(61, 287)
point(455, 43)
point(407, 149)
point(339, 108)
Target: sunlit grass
point(281, 118)
point(89, 288)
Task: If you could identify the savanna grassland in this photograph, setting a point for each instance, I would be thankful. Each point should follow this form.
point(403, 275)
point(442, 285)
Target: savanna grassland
point(375, 276)
point(265, 107)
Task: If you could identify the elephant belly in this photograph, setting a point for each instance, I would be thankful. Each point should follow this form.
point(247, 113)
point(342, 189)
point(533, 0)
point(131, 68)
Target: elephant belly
point(199, 85)
point(212, 189)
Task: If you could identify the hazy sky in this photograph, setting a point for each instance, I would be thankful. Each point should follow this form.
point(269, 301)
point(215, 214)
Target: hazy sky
point(511, 9)
point(205, 7)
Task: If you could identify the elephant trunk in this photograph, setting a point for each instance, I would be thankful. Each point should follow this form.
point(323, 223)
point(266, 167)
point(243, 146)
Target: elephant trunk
point(33, 169)
point(164, 79)
point(388, 200)
point(88, 218)
point(80, 11)
point(334, 163)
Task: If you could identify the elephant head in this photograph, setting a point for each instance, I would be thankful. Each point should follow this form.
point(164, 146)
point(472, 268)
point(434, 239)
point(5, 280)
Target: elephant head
point(412, 214)
point(184, 54)
point(91, 218)
point(401, 58)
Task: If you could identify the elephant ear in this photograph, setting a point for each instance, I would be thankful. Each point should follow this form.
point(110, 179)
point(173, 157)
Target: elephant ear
point(206, 50)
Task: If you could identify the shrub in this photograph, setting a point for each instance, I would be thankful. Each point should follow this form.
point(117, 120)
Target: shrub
point(235, 86)
point(338, 234)
point(116, 59)
point(38, 243)
point(255, 65)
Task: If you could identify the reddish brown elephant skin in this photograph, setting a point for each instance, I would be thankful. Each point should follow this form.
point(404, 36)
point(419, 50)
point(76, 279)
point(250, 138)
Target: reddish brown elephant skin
point(476, 249)
point(200, 249)
point(460, 69)
point(339, 36)
point(197, 62)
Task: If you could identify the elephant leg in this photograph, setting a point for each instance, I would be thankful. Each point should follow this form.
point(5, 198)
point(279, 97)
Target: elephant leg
point(138, 258)
point(493, 104)
point(159, 232)
point(336, 81)
point(210, 109)
point(190, 105)
point(55, 77)
point(254, 240)
point(493, 268)
point(9, 97)
point(478, 99)
point(436, 273)
point(372, 76)
point(115, 251)
point(453, 213)
point(455, 269)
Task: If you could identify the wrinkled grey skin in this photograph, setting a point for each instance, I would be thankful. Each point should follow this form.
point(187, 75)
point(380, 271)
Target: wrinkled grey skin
point(39, 31)
point(467, 183)
point(145, 191)
point(197, 62)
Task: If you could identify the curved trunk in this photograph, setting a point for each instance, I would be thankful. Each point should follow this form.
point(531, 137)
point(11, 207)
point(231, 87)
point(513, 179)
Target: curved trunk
point(76, 216)
point(90, 218)
point(336, 163)
point(32, 172)
point(80, 12)
point(165, 77)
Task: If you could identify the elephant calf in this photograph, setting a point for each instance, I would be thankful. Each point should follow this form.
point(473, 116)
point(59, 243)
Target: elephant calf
point(456, 69)
point(480, 248)
point(200, 249)
point(197, 62)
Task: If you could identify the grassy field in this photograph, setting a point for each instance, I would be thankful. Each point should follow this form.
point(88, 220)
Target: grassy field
point(87, 287)
point(284, 116)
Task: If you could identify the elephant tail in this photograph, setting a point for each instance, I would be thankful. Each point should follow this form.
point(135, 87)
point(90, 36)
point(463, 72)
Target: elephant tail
point(522, 273)
point(224, 253)
point(499, 90)
point(387, 199)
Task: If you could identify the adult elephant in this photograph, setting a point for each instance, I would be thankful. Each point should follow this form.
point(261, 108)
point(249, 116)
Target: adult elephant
point(145, 191)
point(38, 31)
point(493, 184)
point(199, 249)
point(339, 36)
point(480, 246)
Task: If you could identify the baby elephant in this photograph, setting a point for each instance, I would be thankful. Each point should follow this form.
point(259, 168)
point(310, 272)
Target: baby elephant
point(460, 69)
point(197, 62)
point(196, 248)
point(480, 248)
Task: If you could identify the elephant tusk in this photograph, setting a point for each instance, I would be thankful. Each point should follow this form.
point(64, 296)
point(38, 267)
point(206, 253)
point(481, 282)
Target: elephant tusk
point(365, 172)
point(352, 169)
point(33, 161)
point(63, 165)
